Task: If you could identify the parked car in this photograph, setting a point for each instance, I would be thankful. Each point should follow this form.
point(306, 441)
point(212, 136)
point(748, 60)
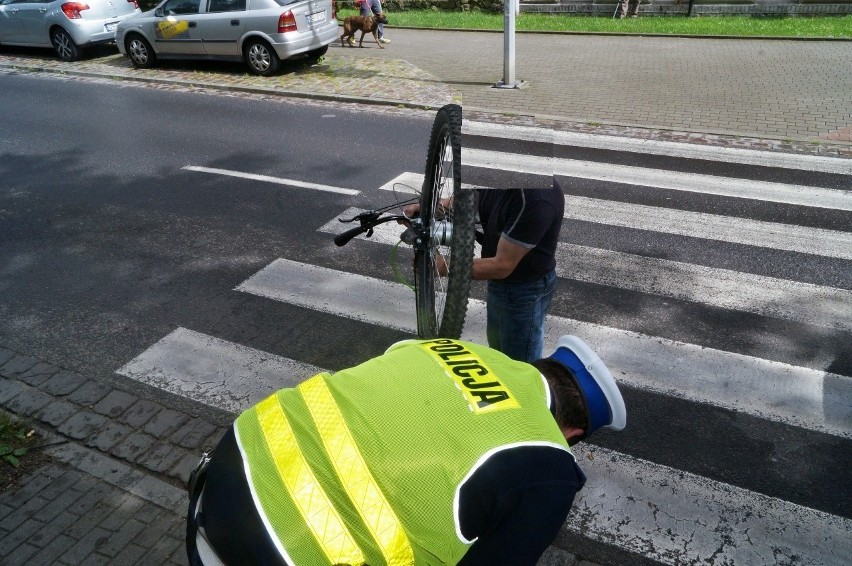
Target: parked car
point(261, 33)
point(69, 27)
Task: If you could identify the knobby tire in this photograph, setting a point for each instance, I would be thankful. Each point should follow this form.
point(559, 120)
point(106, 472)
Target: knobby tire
point(442, 301)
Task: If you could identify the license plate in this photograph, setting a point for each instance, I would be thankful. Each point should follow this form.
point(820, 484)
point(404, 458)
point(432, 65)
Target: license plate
point(316, 17)
point(111, 26)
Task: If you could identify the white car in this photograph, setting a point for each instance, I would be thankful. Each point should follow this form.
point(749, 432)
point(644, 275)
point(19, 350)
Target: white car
point(259, 32)
point(67, 26)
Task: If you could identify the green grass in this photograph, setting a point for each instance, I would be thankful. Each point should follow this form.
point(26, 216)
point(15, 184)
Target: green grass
point(14, 438)
point(827, 27)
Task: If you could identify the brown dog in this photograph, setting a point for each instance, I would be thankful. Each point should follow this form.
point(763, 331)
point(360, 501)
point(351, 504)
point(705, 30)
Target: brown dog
point(364, 24)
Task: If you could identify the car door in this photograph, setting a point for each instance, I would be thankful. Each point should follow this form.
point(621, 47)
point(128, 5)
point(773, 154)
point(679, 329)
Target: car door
point(20, 20)
point(176, 28)
point(222, 26)
point(32, 17)
point(11, 30)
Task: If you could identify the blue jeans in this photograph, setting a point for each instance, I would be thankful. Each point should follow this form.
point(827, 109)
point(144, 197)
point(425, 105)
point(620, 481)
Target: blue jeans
point(375, 7)
point(516, 314)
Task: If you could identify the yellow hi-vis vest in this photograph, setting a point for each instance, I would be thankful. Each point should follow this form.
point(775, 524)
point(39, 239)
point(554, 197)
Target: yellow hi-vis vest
point(365, 466)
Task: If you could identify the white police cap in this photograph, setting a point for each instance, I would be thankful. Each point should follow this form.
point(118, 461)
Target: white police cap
point(604, 402)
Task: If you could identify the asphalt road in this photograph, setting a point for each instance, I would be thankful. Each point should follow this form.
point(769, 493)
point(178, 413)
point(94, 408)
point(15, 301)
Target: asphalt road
point(108, 243)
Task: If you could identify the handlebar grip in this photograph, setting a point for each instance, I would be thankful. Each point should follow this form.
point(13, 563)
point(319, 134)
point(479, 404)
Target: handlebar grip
point(343, 239)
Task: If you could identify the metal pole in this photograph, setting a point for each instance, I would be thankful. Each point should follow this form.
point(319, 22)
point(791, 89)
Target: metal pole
point(509, 43)
point(510, 8)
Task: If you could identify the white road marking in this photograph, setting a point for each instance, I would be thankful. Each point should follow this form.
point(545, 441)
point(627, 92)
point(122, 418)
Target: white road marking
point(409, 183)
point(275, 180)
point(655, 147)
point(214, 371)
point(814, 241)
point(641, 176)
point(770, 390)
point(677, 517)
point(758, 294)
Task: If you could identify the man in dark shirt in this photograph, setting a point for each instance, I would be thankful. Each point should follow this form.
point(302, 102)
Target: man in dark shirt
point(521, 229)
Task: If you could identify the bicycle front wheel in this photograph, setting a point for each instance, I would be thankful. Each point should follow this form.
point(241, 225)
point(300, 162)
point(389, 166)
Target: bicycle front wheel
point(447, 215)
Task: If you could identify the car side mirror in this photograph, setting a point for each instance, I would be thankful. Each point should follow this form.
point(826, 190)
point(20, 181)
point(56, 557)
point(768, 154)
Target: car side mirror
point(158, 13)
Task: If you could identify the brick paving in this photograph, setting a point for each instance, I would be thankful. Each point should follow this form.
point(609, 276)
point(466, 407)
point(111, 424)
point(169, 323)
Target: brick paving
point(114, 490)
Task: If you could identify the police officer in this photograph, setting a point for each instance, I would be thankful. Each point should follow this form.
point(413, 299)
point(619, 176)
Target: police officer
point(437, 452)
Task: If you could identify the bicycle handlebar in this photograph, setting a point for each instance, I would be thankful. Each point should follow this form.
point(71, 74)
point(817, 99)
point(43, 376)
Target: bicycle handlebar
point(343, 239)
point(368, 220)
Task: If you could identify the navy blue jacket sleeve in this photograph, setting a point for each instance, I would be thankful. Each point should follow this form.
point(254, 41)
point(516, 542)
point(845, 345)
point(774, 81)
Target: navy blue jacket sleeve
point(515, 504)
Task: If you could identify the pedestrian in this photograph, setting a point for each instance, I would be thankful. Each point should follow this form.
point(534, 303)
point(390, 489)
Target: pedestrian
point(436, 452)
point(520, 236)
point(628, 8)
point(521, 232)
point(368, 7)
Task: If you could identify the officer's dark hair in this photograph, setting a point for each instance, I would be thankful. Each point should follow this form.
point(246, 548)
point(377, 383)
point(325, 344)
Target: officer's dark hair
point(569, 405)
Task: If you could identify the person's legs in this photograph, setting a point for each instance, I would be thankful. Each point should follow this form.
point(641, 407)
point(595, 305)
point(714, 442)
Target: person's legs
point(622, 8)
point(376, 6)
point(516, 314)
point(633, 12)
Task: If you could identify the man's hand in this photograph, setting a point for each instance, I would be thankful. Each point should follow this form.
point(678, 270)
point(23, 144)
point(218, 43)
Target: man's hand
point(441, 265)
point(411, 210)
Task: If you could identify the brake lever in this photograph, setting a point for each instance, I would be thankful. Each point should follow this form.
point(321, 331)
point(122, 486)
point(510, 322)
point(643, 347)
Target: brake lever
point(368, 215)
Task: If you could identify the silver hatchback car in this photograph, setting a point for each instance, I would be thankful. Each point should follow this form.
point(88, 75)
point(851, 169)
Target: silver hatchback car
point(66, 25)
point(259, 32)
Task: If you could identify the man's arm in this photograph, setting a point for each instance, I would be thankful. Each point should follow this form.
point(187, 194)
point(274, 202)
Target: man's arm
point(526, 531)
point(504, 262)
point(515, 504)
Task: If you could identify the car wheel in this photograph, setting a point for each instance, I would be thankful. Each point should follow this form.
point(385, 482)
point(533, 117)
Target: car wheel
point(260, 58)
point(65, 47)
point(314, 56)
point(140, 52)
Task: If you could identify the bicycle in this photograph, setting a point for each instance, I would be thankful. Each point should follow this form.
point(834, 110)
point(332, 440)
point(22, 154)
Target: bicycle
point(442, 235)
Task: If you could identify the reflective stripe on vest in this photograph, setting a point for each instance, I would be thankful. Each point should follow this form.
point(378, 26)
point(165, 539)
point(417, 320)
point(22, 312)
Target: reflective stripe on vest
point(369, 501)
point(305, 490)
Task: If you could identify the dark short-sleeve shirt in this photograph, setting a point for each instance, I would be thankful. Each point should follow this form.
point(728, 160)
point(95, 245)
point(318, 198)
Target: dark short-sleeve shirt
point(531, 218)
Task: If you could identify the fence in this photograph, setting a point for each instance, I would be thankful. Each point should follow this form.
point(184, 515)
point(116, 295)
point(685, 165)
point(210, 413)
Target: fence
point(649, 7)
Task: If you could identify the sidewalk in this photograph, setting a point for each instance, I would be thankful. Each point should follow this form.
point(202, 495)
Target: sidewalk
point(114, 492)
point(781, 95)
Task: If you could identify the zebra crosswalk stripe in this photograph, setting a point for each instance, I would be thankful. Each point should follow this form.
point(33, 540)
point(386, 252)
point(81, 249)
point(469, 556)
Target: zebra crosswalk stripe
point(815, 163)
point(801, 239)
point(213, 371)
point(691, 182)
